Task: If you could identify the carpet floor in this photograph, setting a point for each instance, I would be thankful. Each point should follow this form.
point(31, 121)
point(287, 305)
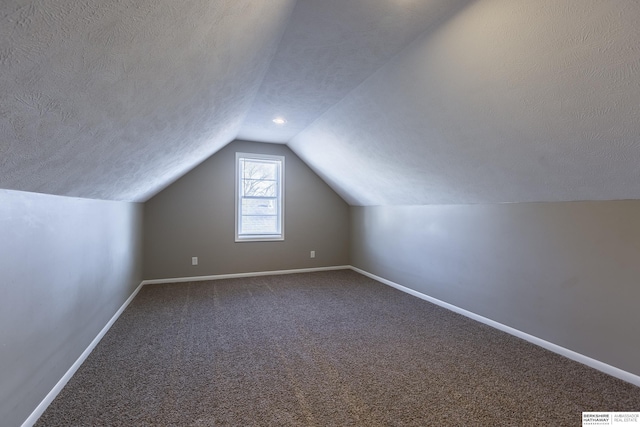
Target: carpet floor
point(320, 349)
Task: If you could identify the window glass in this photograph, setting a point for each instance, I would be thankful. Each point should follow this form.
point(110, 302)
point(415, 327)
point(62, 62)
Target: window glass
point(259, 189)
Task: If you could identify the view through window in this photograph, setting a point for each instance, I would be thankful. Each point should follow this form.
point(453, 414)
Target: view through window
point(259, 190)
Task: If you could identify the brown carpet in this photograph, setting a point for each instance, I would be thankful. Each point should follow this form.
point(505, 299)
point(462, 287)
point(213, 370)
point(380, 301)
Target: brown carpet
point(320, 349)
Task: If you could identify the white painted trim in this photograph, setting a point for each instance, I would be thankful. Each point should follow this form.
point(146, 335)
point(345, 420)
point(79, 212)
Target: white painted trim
point(37, 413)
point(236, 275)
point(603, 367)
point(585, 360)
point(280, 198)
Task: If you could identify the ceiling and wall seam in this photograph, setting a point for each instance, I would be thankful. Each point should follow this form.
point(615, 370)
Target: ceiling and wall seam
point(391, 103)
point(506, 102)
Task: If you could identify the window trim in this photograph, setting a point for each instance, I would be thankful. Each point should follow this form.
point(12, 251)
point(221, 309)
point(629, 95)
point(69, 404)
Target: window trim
point(280, 198)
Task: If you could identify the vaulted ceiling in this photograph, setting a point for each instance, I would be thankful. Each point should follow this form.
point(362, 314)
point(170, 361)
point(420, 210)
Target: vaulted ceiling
point(389, 101)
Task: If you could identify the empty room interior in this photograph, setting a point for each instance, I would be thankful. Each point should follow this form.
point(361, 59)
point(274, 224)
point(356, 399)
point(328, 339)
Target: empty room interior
point(319, 212)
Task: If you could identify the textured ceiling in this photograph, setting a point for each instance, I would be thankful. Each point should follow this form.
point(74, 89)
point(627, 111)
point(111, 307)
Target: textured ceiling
point(390, 101)
point(116, 99)
point(329, 48)
point(506, 101)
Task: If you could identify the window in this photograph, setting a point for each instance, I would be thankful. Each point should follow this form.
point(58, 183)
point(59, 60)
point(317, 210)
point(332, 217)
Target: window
point(259, 197)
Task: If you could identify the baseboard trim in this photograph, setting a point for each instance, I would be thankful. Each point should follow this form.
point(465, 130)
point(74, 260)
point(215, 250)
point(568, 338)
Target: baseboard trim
point(585, 360)
point(236, 275)
point(37, 413)
point(596, 364)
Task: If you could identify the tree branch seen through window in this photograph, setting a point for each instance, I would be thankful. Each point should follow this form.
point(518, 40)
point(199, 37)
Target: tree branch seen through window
point(259, 192)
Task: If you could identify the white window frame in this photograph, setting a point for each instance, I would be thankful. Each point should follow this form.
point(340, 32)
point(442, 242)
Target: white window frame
point(279, 198)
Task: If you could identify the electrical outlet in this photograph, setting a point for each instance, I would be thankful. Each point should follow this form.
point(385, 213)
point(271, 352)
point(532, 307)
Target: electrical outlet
point(312, 254)
point(194, 260)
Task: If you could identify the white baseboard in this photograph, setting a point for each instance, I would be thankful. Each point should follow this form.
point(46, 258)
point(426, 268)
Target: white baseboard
point(608, 369)
point(37, 413)
point(585, 360)
point(236, 275)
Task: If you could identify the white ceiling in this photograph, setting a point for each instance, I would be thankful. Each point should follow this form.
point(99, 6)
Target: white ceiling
point(328, 49)
point(117, 99)
point(390, 101)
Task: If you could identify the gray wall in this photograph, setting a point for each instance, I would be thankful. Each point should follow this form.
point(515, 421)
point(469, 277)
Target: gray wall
point(66, 266)
point(195, 217)
point(564, 272)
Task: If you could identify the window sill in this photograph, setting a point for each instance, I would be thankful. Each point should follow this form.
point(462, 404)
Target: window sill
point(260, 239)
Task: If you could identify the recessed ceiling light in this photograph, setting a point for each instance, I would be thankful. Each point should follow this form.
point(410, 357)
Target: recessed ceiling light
point(279, 121)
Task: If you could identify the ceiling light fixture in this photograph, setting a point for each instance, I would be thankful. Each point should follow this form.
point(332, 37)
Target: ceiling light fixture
point(279, 121)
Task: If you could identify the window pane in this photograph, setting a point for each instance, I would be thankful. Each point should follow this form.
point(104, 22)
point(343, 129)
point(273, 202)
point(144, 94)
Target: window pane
point(257, 188)
point(259, 197)
point(259, 207)
point(259, 225)
point(256, 169)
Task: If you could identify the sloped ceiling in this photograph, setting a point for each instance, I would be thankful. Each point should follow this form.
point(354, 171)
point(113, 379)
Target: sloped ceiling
point(329, 48)
point(116, 99)
point(506, 101)
point(390, 101)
